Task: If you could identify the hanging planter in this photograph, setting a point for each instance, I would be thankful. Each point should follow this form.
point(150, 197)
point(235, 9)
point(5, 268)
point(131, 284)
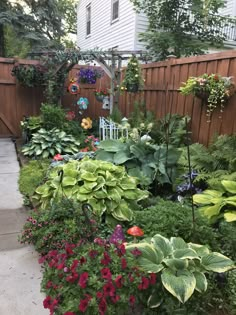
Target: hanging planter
point(100, 94)
point(89, 75)
point(132, 87)
point(214, 90)
point(99, 98)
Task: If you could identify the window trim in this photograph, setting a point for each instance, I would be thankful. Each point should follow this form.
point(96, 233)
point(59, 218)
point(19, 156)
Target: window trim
point(88, 14)
point(112, 10)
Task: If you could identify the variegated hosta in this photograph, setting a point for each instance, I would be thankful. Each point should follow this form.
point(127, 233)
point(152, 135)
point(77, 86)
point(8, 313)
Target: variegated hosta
point(215, 204)
point(106, 187)
point(181, 266)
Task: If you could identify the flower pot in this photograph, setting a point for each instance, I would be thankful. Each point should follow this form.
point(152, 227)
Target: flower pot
point(202, 95)
point(99, 98)
point(132, 87)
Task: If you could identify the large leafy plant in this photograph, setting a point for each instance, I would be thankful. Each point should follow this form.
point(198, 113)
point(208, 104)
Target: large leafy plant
point(217, 204)
point(180, 266)
point(106, 187)
point(47, 143)
point(143, 160)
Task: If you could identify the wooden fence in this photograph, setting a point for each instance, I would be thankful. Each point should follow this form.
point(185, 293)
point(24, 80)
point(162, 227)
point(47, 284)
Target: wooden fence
point(162, 81)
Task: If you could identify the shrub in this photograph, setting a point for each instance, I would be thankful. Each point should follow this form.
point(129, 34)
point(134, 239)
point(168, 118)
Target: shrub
point(53, 116)
point(106, 187)
point(47, 143)
point(31, 176)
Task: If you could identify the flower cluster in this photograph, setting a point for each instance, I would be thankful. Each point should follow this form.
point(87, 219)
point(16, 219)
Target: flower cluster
point(89, 75)
point(70, 115)
point(91, 144)
point(101, 92)
point(133, 80)
point(212, 88)
point(97, 278)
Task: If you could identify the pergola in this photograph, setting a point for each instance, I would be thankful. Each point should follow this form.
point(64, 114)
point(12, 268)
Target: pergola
point(110, 61)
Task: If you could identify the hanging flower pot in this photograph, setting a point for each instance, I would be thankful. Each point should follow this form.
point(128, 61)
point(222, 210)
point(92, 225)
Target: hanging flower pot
point(100, 94)
point(99, 98)
point(132, 87)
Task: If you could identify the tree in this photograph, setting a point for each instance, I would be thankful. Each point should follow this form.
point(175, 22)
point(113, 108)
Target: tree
point(181, 27)
point(40, 23)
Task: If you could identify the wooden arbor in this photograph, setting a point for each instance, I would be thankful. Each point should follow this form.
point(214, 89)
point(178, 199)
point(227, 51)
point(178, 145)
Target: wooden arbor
point(110, 61)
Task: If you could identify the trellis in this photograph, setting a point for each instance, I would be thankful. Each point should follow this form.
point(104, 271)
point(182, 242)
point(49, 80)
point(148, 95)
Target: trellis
point(108, 129)
point(68, 58)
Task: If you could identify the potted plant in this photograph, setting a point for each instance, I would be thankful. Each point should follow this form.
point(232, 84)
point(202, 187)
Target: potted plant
point(213, 89)
point(133, 80)
point(89, 75)
point(100, 94)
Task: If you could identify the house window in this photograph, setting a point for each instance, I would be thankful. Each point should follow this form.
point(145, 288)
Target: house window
point(114, 10)
point(88, 20)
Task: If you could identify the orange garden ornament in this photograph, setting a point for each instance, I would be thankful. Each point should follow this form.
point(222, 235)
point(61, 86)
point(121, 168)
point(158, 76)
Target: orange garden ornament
point(86, 123)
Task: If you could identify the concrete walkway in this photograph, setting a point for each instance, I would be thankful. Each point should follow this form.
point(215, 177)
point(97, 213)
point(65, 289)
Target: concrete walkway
point(20, 274)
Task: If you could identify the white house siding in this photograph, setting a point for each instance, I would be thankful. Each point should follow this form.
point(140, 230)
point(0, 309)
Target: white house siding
point(104, 34)
point(230, 8)
point(141, 26)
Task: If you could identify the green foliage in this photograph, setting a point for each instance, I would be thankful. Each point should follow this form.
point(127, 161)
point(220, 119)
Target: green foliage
point(29, 75)
point(53, 116)
point(140, 115)
point(191, 29)
point(171, 129)
point(15, 47)
point(143, 160)
point(31, 176)
point(133, 80)
point(106, 187)
point(217, 204)
point(53, 228)
point(116, 115)
point(182, 266)
point(47, 143)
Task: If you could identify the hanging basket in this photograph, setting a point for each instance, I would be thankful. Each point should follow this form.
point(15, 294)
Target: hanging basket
point(99, 98)
point(132, 87)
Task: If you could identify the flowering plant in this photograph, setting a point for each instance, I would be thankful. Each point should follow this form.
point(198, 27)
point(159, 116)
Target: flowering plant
point(101, 92)
point(91, 144)
point(213, 88)
point(89, 75)
point(133, 80)
point(97, 278)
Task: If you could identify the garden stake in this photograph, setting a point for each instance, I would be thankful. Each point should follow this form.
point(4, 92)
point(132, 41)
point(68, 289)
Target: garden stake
point(190, 173)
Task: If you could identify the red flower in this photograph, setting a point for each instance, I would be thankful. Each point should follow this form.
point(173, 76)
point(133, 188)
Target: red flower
point(99, 295)
point(83, 305)
point(93, 253)
point(106, 273)
point(123, 263)
point(109, 289)
point(58, 157)
point(102, 307)
point(115, 299)
point(119, 281)
point(132, 300)
point(70, 115)
point(82, 260)
point(47, 302)
point(144, 284)
point(49, 284)
point(72, 277)
point(106, 260)
point(83, 280)
point(74, 264)
point(153, 278)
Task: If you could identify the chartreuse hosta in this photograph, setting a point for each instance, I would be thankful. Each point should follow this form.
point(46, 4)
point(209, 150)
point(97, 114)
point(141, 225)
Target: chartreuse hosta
point(106, 187)
point(180, 266)
point(215, 204)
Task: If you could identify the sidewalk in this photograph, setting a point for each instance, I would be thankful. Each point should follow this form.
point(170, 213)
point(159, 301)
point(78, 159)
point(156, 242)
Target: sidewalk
point(20, 274)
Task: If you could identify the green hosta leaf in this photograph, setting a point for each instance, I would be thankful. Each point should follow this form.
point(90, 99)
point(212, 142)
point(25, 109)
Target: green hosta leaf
point(213, 193)
point(150, 259)
point(202, 199)
point(201, 281)
point(199, 249)
point(52, 152)
point(229, 185)
point(122, 213)
point(130, 194)
point(217, 262)
point(211, 211)
point(178, 243)
point(100, 194)
point(162, 243)
point(45, 154)
point(128, 183)
point(185, 253)
point(88, 176)
point(155, 299)
point(114, 194)
point(176, 264)
point(105, 156)
point(180, 284)
point(68, 181)
point(39, 152)
point(112, 145)
point(230, 216)
point(121, 157)
point(90, 185)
